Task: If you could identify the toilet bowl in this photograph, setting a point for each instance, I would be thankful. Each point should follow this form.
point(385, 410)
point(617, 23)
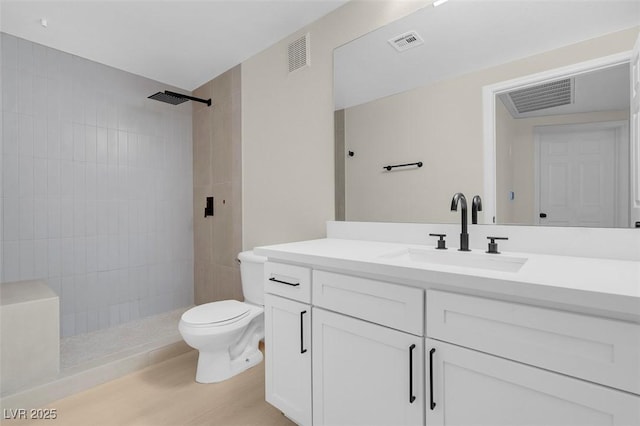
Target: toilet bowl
point(227, 333)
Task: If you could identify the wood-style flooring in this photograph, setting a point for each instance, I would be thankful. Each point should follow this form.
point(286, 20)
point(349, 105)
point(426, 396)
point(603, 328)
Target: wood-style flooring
point(167, 394)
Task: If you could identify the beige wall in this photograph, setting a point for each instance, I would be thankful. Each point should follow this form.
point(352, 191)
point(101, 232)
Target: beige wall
point(287, 127)
point(217, 172)
point(515, 149)
point(440, 125)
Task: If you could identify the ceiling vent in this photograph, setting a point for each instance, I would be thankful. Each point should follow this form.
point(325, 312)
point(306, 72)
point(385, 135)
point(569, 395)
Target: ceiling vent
point(299, 53)
point(541, 96)
point(406, 41)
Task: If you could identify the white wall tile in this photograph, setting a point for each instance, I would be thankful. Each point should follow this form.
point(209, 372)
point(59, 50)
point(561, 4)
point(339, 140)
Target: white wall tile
point(39, 95)
point(112, 146)
point(103, 252)
point(25, 92)
point(66, 217)
point(54, 257)
point(40, 136)
point(40, 218)
point(91, 144)
point(102, 152)
point(40, 177)
point(26, 218)
point(53, 138)
point(79, 217)
point(66, 179)
point(10, 176)
point(79, 255)
point(9, 87)
point(79, 180)
point(92, 320)
point(54, 284)
point(79, 147)
point(10, 131)
point(91, 218)
point(92, 254)
point(66, 257)
point(11, 219)
point(10, 261)
point(66, 140)
point(53, 218)
point(41, 257)
point(68, 325)
point(81, 293)
point(85, 167)
point(114, 315)
point(27, 260)
point(81, 323)
point(123, 148)
point(53, 178)
point(25, 170)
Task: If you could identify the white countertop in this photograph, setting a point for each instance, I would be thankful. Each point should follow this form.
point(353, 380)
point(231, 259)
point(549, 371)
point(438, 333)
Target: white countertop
point(596, 286)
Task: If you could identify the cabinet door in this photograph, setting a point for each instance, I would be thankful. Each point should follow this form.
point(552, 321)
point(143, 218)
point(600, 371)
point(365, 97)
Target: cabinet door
point(365, 374)
point(473, 388)
point(288, 357)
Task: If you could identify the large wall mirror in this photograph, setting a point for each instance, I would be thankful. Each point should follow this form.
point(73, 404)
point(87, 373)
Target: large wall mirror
point(525, 103)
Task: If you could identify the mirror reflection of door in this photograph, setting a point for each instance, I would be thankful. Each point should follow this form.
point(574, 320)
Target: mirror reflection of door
point(562, 151)
point(582, 178)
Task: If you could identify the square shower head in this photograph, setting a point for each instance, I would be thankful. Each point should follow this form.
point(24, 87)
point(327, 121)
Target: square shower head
point(170, 99)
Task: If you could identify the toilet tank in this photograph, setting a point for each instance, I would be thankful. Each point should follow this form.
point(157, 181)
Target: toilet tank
point(252, 274)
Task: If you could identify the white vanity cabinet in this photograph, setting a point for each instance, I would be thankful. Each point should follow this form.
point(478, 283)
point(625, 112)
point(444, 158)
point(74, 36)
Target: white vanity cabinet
point(515, 364)
point(467, 387)
point(367, 364)
point(365, 374)
point(288, 341)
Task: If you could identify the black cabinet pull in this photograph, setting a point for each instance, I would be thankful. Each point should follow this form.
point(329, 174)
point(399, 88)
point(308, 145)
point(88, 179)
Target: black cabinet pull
point(411, 396)
point(302, 349)
point(284, 282)
point(433, 404)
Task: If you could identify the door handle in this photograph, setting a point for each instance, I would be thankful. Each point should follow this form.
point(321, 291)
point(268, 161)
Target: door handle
point(433, 404)
point(302, 349)
point(411, 396)
point(543, 215)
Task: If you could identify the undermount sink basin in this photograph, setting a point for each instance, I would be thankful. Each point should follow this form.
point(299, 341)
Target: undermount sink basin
point(493, 262)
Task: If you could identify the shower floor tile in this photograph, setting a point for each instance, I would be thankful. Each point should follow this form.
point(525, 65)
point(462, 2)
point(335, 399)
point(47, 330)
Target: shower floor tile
point(90, 348)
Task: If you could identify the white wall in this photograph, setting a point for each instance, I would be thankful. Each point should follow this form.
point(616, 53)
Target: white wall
point(440, 125)
point(96, 187)
point(287, 127)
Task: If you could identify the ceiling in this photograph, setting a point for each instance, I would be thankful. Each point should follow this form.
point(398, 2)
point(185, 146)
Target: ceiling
point(181, 43)
point(463, 36)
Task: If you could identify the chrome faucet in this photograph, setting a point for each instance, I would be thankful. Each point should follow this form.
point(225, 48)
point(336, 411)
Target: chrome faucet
point(476, 206)
point(459, 198)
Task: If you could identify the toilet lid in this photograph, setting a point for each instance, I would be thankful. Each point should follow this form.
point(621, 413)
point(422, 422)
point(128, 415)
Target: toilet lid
point(211, 313)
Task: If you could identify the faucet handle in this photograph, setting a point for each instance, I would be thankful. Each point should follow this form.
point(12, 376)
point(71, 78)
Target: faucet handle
point(493, 246)
point(442, 244)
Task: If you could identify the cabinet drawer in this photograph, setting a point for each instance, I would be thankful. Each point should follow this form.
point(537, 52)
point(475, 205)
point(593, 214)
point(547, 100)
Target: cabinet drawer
point(596, 349)
point(289, 281)
point(383, 303)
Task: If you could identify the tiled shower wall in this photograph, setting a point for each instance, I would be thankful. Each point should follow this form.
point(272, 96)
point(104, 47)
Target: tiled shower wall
point(96, 187)
point(217, 173)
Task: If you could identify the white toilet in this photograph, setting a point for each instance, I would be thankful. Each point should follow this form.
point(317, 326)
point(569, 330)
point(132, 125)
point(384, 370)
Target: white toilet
point(227, 333)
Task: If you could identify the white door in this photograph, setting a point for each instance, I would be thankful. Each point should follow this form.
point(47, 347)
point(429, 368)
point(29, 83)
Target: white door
point(473, 388)
point(579, 176)
point(288, 357)
point(635, 135)
point(365, 374)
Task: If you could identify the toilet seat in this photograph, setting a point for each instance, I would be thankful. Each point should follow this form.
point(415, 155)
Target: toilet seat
point(216, 314)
